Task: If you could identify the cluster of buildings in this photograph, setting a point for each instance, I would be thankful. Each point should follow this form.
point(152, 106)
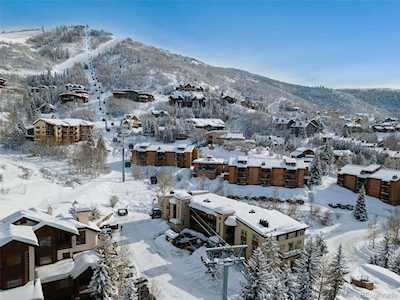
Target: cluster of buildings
point(47, 257)
point(286, 172)
point(232, 221)
point(298, 127)
point(133, 95)
point(60, 131)
point(387, 125)
point(187, 96)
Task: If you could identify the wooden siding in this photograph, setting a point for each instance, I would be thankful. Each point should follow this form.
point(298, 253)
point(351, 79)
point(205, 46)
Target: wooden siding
point(14, 262)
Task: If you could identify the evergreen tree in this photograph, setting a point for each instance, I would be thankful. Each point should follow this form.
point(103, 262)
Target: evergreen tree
point(394, 263)
point(335, 276)
point(256, 277)
point(101, 283)
point(384, 252)
point(315, 172)
point(321, 246)
point(277, 288)
point(130, 291)
point(307, 269)
point(360, 209)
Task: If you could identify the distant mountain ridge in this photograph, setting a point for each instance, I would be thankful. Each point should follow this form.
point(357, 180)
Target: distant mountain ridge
point(128, 63)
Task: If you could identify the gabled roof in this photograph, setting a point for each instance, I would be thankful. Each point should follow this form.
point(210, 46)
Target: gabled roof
point(43, 219)
point(23, 234)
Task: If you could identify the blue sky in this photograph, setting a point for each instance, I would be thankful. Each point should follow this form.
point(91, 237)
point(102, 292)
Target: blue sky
point(330, 43)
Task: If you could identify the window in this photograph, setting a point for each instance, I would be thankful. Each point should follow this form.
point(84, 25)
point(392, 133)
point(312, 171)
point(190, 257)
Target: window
point(243, 237)
point(291, 246)
point(81, 238)
point(13, 260)
point(14, 283)
point(45, 260)
point(45, 241)
point(66, 255)
point(254, 242)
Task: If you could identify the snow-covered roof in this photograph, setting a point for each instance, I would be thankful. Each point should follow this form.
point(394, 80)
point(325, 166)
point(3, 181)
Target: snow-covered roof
point(371, 171)
point(23, 234)
point(250, 215)
point(209, 160)
point(233, 136)
point(79, 225)
point(43, 219)
point(267, 163)
point(300, 151)
point(65, 268)
point(65, 122)
point(178, 148)
point(30, 291)
point(187, 95)
point(200, 122)
point(342, 152)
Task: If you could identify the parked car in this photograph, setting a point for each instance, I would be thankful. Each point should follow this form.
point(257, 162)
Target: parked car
point(153, 179)
point(122, 212)
point(155, 213)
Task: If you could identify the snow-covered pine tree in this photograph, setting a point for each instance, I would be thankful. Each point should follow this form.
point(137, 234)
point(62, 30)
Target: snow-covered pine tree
point(385, 251)
point(321, 246)
point(337, 269)
point(394, 263)
point(101, 283)
point(278, 289)
point(315, 172)
point(360, 209)
point(130, 291)
point(256, 277)
point(306, 270)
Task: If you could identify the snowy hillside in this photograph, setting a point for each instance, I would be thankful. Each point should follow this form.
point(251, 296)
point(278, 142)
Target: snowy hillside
point(136, 65)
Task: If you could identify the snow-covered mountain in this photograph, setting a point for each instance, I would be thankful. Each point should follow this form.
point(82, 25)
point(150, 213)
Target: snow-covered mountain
point(127, 63)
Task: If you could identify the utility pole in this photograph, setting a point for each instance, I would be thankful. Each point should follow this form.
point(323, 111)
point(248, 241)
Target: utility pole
point(123, 157)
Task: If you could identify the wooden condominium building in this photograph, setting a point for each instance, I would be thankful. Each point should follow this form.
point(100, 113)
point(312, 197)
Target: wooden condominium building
point(47, 257)
point(62, 131)
point(180, 156)
point(235, 222)
point(209, 167)
point(74, 97)
point(187, 99)
point(287, 172)
point(379, 182)
point(133, 95)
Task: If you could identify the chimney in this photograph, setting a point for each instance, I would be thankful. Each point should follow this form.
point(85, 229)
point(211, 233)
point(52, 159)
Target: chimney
point(50, 210)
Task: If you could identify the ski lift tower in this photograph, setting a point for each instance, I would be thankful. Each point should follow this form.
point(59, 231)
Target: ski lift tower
point(124, 133)
point(225, 257)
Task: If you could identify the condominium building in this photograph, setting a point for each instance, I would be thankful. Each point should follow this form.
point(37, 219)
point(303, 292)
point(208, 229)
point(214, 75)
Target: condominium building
point(181, 156)
point(235, 222)
point(379, 182)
